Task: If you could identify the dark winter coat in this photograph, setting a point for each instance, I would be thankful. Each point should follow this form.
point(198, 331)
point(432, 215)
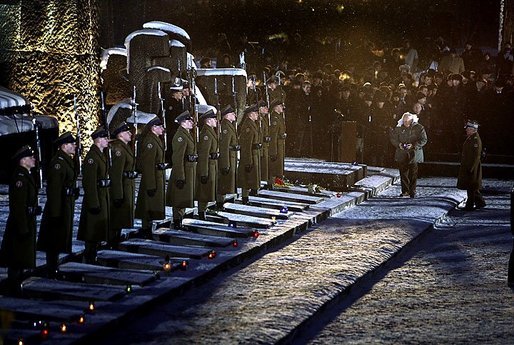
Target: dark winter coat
point(470, 171)
point(414, 134)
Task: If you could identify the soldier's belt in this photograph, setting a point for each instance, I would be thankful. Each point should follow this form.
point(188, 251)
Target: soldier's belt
point(161, 166)
point(191, 158)
point(283, 136)
point(214, 155)
point(235, 148)
point(104, 183)
point(34, 210)
point(267, 139)
point(130, 174)
point(257, 146)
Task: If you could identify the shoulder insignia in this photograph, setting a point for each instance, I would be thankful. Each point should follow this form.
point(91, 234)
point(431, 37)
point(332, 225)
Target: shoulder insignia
point(225, 131)
point(117, 153)
point(206, 138)
point(57, 166)
point(60, 158)
point(149, 145)
point(90, 161)
point(19, 184)
point(179, 139)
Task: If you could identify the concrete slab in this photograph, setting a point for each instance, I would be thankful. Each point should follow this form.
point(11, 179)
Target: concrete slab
point(121, 259)
point(31, 309)
point(97, 274)
point(36, 287)
point(276, 204)
point(256, 211)
point(216, 229)
point(163, 249)
point(180, 237)
point(240, 219)
point(307, 199)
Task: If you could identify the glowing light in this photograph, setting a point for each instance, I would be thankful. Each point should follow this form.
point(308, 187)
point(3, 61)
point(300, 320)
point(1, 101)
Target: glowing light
point(235, 244)
point(255, 234)
point(340, 8)
point(183, 264)
point(167, 266)
point(284, 209)
point(212, 254)
point(91, 306)
point(128, 289)
point(82, 320)
point(44, 333)
point(63, 328)
point(20, 341)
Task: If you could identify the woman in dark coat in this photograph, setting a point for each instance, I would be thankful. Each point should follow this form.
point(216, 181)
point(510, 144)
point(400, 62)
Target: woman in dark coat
point(470, 171)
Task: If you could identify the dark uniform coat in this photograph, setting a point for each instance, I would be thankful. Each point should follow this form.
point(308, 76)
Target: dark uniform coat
point(414, 134)
point(56, 229)
point(94, 227)
point(470, 171)
point(264, 138)
point(19, 243)
point(228, 158)
point(123, 186)
point(183, 168)
point(249, 170)
point(207, 164)
point(277, 145)
point(149, 164)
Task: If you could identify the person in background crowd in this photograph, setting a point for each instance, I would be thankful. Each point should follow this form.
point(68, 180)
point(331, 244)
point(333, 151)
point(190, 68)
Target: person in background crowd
point(55, 234)
point(470, 171)
point(408, 138)
point(18, 250)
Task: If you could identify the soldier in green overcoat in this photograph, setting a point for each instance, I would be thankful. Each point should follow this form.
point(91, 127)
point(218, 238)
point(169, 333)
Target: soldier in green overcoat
point(181, 185)
point(55, 234)
point(265, 139)
point(151, 165)
point(249, 170)
point(207, 166)
point(18, 250)
point(94, 215)
point(470, 171)
point(277, 145)
point(227, 162)
point(122, 175)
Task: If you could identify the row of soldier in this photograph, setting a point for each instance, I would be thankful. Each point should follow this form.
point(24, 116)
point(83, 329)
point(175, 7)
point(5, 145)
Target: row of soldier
point(204, 170)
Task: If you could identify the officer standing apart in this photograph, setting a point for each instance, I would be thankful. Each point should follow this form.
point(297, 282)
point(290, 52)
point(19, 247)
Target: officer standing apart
point(151, 165)
point(249, 170)
point(56, 230)
point(181, 185)
point(18, 250)
point(265, 139)
point(94, 215)
point(228, 156)
point(277, 147)
point(122, 175)
point(408, 137)
point(207, 168)
point(470, 171)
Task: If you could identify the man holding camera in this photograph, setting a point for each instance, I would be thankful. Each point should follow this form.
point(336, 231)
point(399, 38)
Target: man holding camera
point(408, 138)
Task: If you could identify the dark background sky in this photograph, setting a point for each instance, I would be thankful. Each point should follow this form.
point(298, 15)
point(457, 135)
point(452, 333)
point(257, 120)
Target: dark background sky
point(385, 21)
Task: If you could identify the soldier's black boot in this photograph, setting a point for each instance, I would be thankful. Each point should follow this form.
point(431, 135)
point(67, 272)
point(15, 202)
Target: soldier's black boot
point(246, 200)
point(201, 215)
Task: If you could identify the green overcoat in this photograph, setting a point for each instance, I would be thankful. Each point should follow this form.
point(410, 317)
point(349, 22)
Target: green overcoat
point(249, 170)
point(416, 135)
point(228, 158)
point(277, 147)
point(183, 168)
point(122, 174)
point(55, 233)
point(207, 164)
point(150, 198)
point(19, 242)
point(470, 171)
point(94, 225)
point(264, 138)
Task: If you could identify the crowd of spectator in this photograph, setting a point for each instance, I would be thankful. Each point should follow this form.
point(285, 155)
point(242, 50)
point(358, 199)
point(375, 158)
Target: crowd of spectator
point(444, 87)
